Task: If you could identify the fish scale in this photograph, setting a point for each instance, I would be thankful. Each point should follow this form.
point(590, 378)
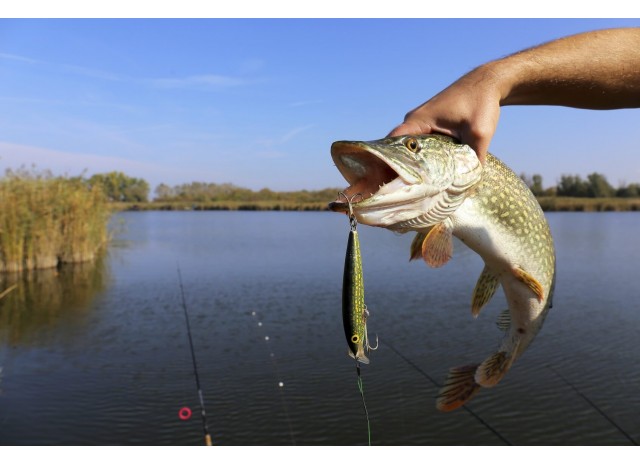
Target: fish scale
point(505, 201)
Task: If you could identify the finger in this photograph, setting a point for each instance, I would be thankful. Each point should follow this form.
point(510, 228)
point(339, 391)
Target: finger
point(482, 156)
point(410, 127)
point(478, 141)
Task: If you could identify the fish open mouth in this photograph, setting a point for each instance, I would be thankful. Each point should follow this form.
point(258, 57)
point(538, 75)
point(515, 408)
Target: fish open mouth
point(367, 172)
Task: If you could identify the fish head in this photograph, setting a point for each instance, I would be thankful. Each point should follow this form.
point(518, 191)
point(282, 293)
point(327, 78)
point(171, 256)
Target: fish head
point(401, 182)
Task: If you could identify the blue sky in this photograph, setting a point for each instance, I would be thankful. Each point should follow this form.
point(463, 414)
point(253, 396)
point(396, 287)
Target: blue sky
point(257, 102)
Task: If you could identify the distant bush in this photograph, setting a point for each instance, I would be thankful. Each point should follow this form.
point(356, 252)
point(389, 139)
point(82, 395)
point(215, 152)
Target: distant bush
point(631, 190)
point(118, 187)
point(595, 186)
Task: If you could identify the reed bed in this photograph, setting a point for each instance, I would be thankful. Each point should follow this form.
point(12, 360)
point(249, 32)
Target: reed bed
point(46, 221)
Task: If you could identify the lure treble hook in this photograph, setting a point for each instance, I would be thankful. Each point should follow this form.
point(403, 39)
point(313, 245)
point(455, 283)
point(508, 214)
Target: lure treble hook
point(350, 201)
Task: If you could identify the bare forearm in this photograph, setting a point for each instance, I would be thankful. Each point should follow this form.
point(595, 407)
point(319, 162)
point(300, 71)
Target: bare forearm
point(597, 70)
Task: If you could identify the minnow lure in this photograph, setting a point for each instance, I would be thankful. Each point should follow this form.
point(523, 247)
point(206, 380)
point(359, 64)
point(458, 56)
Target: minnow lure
point(354, 310)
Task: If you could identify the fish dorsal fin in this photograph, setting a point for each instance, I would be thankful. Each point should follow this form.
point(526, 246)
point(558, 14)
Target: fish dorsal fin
point(504, 320)
point(437, 247)
point(491, 371)
point(484, 290)
point(531, 282)
point(416, 244)
point(459, 388)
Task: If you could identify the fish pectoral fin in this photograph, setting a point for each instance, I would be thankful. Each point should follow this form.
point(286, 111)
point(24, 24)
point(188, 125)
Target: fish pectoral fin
point(493, 369)
point(416, 245)
point(459, 388)
point(437, 247)
point(484, 290)
point(531, 282)
point(504, 320)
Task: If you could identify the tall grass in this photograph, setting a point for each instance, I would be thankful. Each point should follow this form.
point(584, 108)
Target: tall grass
point(46, 220)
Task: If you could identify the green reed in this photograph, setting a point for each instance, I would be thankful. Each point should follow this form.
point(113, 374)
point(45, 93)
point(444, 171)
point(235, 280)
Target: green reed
point(46, 221)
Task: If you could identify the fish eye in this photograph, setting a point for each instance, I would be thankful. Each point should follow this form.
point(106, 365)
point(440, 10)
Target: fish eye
point(412, 144)
point(355, 338)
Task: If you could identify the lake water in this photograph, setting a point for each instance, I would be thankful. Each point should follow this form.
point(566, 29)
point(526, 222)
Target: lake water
point(99, 354)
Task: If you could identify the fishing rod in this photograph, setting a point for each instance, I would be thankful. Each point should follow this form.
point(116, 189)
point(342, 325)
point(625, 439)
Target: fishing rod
point(435, 383)
point(207, 436)
point(610, 420)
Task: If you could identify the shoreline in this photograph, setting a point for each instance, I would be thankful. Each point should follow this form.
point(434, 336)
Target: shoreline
point(548, 204)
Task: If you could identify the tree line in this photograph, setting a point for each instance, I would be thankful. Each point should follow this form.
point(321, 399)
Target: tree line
point(122, 188)
point(119, 187)
point(594, 186)
point(213, 192)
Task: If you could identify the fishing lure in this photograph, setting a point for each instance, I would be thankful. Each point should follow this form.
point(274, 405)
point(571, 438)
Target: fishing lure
point(354, 310)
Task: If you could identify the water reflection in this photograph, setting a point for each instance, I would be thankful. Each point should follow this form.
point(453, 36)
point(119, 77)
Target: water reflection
point(44, 300)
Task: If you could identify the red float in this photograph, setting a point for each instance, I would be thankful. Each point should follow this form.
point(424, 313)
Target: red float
point(185, 413)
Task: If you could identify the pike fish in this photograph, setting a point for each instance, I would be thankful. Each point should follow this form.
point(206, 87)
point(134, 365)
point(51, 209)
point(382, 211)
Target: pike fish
point(435, 186)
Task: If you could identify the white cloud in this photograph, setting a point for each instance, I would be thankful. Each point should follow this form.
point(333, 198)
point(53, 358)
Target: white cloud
point(9, 56)
point(302, 103)
point(275, 142)
point(204, 82)
point(201, 81)
point(74, 164)
point(294, 132)
point(59, 162)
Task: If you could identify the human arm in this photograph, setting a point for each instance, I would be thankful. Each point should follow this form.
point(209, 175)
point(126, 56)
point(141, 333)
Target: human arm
point(595, 70)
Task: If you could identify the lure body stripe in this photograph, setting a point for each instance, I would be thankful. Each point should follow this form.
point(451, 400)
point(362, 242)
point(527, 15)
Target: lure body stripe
point(353, 307)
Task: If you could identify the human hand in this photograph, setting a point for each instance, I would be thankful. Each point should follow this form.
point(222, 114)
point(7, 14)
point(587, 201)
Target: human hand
point(468, 110)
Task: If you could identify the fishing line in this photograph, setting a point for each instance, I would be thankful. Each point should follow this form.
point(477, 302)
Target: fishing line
point(276, 370)
point(207, 436)
point(433, 381)
point(364, 404)
point(593, 405)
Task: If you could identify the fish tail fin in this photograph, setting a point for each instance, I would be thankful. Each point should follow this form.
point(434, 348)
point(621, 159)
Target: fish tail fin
point(459, 388)
point(493, 369)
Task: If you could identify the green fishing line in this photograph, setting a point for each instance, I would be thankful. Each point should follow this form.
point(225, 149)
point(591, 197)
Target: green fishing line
point(364, 404)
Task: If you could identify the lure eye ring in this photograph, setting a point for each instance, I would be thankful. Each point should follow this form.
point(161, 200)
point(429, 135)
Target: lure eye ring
point(355, 338)
point(412, 144)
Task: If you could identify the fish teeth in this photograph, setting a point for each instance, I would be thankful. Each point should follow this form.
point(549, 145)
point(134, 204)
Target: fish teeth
point(391, 186)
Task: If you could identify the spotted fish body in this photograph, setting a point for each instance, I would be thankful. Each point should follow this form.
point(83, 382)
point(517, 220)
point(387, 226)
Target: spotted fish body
point(437, 187)
point(353, 307)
